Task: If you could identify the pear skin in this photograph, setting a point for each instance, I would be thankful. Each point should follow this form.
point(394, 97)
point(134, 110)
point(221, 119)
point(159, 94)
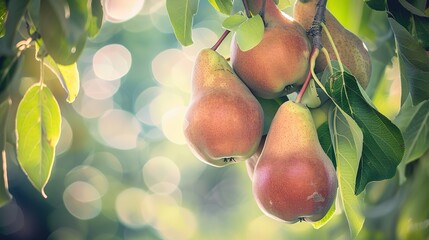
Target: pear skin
point(351, 49)
point(294, 180)
point(224, 121)
point(278, 65)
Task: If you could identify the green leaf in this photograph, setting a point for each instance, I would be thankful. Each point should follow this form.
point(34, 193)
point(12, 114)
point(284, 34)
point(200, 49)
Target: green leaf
point(324, 135)
point(270, 107)
point(421, 30)
point(181, 13)
point(311, 97)
point(95, 18)
point(233, 22)
point(414, 65)
point(413, 216)
point(3, 15)
point(416, 10)
point(223, 6)
point(18, 8)
point(38, 128)
point(63, 32)
point(413, 121)
point(383, 146)
point(8, 67)
point(378, 5)
point(5, 196)
point(250, 33)
point(347, 139)
point(67, 75)
point(70, 78)
point(415, 129)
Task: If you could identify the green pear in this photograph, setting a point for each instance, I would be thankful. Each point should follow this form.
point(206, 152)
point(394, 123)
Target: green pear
point(351, 49)
point(294, 180)
point(278, 65)
point(224, 121)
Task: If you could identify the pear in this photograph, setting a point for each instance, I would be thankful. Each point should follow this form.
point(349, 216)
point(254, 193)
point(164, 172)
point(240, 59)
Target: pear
point(224, 121)
point(278, 65)
point(351, 49)
point(294, 180)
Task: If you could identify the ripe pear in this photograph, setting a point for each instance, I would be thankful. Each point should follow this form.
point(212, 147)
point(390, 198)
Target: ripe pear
point(224, 121)
point(294, 180)
point(351, 49)
point(278, 65)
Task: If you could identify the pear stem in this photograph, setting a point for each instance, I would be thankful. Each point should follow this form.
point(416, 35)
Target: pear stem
point(328, 59)
point(214, 48)
point(316, 33)
point(246, 8)
point(333, 46)
point(313, 56)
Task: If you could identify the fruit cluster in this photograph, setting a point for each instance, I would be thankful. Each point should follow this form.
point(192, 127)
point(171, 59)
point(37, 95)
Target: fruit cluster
point(293, 178)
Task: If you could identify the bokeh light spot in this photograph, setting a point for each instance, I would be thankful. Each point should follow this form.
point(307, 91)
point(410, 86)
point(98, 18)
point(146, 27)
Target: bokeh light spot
point(134, 208)
point(82, 200)
point(117, 11)
point(154, 102)
point(91, 108)
point(172, 125)
point(112, 62)
point(161, 175)
point(66, 233)
point(203, 38)
point(171, 228)
point(88, 174)
point(119, 129)
point(66, 137)
point(97, 88)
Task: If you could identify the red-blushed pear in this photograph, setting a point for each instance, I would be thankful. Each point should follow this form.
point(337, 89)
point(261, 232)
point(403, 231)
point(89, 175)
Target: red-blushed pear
point(294, 180)
point(224, 121)
point(278, 65)
point(351, 49)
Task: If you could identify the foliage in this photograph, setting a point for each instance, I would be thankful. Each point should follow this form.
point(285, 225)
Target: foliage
point(59, 34)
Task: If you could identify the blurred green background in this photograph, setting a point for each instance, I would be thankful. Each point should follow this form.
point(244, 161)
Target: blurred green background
point(123, 170)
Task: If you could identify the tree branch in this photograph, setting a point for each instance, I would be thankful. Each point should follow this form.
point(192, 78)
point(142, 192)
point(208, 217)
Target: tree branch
point(316, 28)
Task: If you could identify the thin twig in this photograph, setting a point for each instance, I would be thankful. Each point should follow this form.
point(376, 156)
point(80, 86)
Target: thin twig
point(246, 8)
point(262, 11)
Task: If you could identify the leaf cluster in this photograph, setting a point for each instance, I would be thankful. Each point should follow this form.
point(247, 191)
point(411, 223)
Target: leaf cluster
point(57, 30)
